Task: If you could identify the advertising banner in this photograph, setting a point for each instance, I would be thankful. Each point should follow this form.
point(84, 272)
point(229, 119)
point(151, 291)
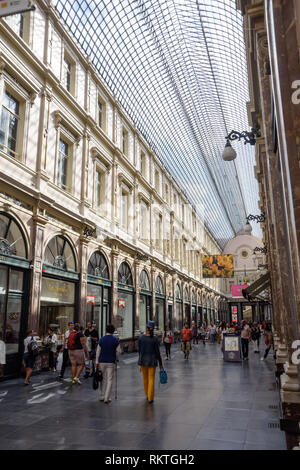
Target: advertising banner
point(232, 347)
point(237, 290)
point(11, 7)
point(217, 266)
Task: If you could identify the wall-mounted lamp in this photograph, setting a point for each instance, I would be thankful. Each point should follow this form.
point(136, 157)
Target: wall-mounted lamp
point(229, 153)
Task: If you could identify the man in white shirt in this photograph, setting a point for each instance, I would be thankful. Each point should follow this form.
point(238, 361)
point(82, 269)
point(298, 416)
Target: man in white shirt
point(64, 349)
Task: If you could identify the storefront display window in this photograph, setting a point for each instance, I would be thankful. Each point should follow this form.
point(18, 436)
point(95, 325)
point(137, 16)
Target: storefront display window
point(57, 306)
point(160, 314)
point(124, 324)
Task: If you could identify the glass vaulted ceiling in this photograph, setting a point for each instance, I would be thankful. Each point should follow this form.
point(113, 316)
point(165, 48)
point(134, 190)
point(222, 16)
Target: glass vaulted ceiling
point(178, 68)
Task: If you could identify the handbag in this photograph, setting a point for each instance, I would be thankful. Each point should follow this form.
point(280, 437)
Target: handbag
point(98, 377)
point(163, 378)
point(170, 339)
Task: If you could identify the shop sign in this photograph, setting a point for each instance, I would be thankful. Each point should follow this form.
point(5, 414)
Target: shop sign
point(90, 299)
point(57, 291)
point(12, 7)
point(237, 290)
point(121, 303)
point(231, 347)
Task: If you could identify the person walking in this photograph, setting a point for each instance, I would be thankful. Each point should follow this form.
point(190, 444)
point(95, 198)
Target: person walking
point(268, 341)
point(149, 357)
point(107, 354)
point(255, 335)
point(167, 341)
point(92, 340)
point(77, 352)
point(30, 343)
point(64, 349)
point(245, 338)
point(202, 332)
point(51, 342)
point(195, 333)
point(186, 337)
point(212, 332)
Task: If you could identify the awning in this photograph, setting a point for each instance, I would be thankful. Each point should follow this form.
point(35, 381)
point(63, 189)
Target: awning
point(257, 287)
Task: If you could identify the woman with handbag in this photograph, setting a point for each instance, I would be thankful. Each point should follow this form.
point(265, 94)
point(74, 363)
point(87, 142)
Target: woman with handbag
point(149, 357)
point(51, 343)
point(167, 341)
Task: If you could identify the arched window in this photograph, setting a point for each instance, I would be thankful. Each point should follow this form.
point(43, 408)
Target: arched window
point(177, 292)
point(144, 280)
point(199, 299)
point(159, 287)
point(12, 240)
point(124, 274)
point(98, 266)
point(60, 254)
point(193, 298)
point(186, 295)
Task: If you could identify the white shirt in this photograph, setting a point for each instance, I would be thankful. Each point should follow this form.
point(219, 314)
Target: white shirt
point(28, 340)
point(53, 342)
point(67, 333)
point(2, 352)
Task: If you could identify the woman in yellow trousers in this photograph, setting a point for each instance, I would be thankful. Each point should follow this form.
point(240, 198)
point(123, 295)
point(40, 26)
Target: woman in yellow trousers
point(149, 357)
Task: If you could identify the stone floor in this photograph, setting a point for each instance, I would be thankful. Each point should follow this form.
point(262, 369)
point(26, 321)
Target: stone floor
point(207, 404)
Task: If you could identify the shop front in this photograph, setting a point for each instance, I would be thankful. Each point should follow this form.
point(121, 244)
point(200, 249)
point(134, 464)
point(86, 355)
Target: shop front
point(160, 302)
point(200, 319)
point(59, 288)
point(145, 301)
point(98, 293)
point(14, 293)
point(178, 318)
point(125, 327)
point(187, 307)
point(204, 314)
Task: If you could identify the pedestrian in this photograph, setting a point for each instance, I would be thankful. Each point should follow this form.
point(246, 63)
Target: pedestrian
point(149, 357)
point(255, 335)
point(167, 341)
point(107, 354)
point(92, 336)
point(245, 338)
point(195, 333)
point(186, 337)
point(64, 349)
point(77, 352)
point(202, 332)
point(30, 353)
point(51, 342)
point(268, 341)
point(212, 331)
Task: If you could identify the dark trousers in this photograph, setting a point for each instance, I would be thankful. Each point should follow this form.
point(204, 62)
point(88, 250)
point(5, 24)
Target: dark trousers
point(168, 349)
point(195, 339)
point(51, 360)
point(267, 351)
point(64, 362)
point(245, 347)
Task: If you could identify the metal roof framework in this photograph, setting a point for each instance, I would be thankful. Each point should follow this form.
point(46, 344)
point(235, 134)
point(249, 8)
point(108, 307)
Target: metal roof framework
point(178, 69)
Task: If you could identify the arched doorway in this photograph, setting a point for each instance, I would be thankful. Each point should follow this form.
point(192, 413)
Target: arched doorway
point(14, 291)
point(59, 287)
point(98, 292)
point(145, 313)
point(160, 302)
point(125, 312)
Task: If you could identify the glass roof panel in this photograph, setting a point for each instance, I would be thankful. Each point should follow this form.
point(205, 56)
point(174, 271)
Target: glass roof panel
point(178, 68)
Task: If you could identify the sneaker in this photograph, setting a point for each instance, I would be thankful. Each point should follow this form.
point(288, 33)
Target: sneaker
point(73, 382)
point(107, 401)
point(262, 358)
point(78, 382)
point(101, 399)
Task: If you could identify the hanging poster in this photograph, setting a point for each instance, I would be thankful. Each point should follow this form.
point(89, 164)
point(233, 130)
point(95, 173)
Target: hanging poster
point(237, 290)
point(217, 266)
point(11, 7)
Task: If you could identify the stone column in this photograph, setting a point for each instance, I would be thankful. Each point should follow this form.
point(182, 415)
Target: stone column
point(39, 223)
point(114, 279)
point(83, 262)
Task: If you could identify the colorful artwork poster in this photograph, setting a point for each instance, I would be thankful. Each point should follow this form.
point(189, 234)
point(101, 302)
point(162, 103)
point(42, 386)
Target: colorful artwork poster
point(231, 343)
point(217, 266)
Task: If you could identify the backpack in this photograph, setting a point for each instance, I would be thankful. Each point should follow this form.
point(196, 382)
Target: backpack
point(71, 344)
point(33, 348)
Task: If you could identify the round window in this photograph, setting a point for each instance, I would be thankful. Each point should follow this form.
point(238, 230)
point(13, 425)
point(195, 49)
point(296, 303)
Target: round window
point(244, 254)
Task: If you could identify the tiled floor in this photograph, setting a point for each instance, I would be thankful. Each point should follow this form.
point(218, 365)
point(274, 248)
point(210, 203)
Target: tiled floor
point(207, 404)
